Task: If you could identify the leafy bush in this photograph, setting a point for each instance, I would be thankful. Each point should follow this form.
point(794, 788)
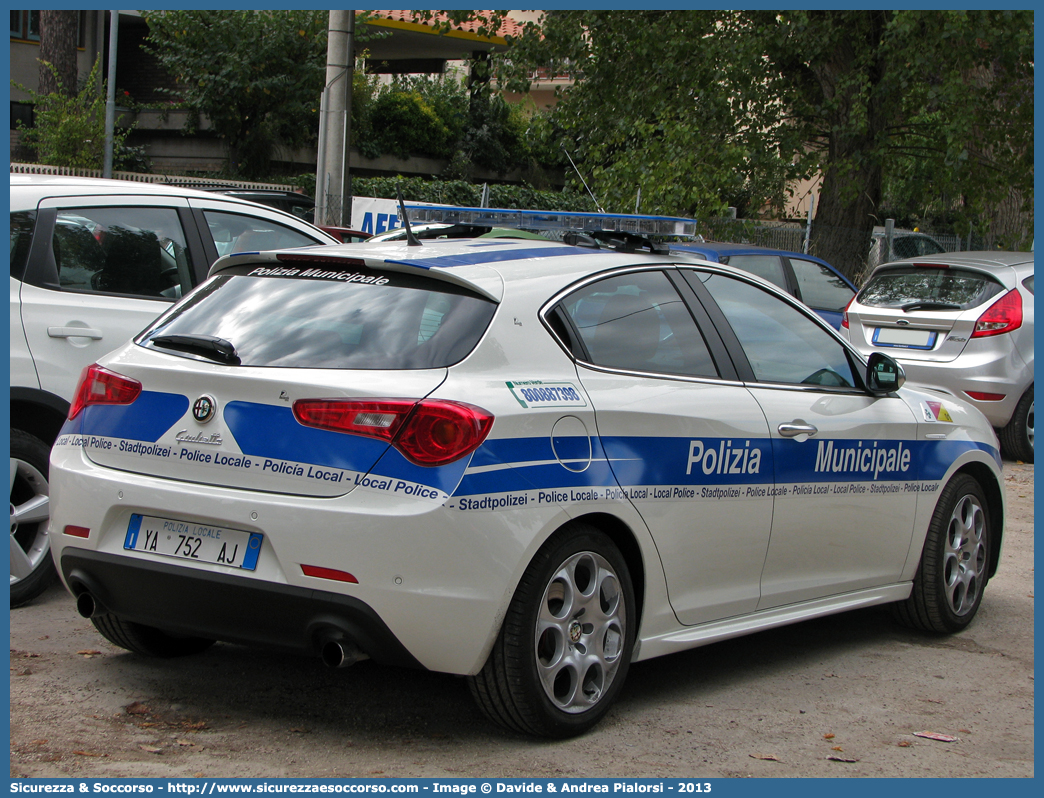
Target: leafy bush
point(436, 117)
point(460, 192)
point(403, 123)
point(70, 130)
point(453, 192)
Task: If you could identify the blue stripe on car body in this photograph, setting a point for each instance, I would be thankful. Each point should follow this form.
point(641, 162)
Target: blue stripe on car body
point(479, 258)
point(531, 463)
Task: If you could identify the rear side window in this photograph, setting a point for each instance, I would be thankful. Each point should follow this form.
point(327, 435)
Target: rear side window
point(638, 322)
point(139, 251)
point(819, 287)
point(22, 223)
point(912, 246)
point(914, 285)
point(392, 321)
point(768, 267)
point(234, 232)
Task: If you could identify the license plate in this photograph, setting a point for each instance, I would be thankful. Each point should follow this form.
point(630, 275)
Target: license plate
point(904, 337)
point(182, 540)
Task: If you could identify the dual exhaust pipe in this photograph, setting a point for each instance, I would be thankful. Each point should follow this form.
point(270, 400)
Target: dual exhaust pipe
point(335, 652)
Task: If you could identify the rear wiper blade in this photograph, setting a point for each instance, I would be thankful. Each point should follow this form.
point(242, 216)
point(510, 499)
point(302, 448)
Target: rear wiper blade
point(929, 304)
point(209, 346)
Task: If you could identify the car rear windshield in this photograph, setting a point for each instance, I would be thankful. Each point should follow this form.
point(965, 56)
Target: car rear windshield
point(896, 288)
point(328, 317)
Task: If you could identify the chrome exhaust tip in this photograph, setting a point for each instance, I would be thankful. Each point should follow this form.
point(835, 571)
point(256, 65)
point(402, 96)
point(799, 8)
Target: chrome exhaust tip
point(87, 605)
point(340, 654)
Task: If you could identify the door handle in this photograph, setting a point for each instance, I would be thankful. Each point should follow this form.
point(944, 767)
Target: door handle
point(795, 428)
point(74, 332)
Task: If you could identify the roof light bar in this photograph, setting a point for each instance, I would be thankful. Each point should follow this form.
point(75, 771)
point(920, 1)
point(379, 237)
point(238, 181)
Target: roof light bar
point(554, 220)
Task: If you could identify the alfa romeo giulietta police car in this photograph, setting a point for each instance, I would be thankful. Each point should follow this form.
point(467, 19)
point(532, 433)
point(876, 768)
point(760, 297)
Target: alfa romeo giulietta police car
point(529, 463)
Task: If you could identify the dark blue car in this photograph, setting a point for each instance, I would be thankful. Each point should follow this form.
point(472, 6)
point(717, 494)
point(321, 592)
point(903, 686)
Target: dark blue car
point(815, 282)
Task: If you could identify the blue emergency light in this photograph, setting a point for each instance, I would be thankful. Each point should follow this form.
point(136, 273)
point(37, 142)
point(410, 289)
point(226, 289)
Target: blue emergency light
point(637, 225)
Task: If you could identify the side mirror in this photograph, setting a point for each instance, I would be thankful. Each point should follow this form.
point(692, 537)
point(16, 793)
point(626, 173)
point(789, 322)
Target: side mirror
point(883, 374)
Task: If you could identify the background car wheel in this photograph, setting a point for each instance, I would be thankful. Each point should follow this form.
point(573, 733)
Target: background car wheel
point(32, 569)
point(1017, 438)
point(950, 580)
point(565, 645)
point(147, 640)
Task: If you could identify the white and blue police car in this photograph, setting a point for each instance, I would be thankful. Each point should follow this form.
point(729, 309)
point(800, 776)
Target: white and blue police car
point(527, 462)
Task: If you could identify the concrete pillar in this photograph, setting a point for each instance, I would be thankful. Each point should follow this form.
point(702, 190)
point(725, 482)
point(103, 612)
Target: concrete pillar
point(332, 181)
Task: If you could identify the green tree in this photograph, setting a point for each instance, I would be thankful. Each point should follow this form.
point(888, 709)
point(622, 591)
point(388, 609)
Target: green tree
point(705, 109)
point(257, 76)
point(659, 104)
point(942, 97)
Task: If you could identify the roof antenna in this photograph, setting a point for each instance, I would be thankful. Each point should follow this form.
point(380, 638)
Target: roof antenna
point(596, 202)
point(411, 239)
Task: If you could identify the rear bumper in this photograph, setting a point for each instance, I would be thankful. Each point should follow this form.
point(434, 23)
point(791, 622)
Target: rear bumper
point(230, 608)
point(1008, 376)
point(986, 365)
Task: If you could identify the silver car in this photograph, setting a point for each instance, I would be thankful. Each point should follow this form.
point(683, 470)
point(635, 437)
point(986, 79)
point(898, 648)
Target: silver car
point(961, 323)
point(905, 244)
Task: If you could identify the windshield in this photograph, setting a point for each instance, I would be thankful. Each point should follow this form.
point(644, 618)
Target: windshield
point(391, 321)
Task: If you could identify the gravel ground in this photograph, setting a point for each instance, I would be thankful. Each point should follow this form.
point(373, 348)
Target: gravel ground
point(840, 696)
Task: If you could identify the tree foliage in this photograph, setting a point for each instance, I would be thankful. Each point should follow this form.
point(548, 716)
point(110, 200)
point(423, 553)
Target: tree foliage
point(938, 103)
point(655, 107)
point(256, 75)
point(704, 109)
point(437, 117)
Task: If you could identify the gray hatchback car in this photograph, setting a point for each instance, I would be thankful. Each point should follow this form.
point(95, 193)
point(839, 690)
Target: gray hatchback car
point(961, 323)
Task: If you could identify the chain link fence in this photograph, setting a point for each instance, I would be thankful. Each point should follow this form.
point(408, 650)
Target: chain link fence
point(865, 251)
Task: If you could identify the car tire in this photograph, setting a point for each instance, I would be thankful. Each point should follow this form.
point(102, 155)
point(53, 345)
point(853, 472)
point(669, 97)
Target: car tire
point(32, 569)
point(953, 572)
point(1017, 437)
point(565, 645)
point(147, 640)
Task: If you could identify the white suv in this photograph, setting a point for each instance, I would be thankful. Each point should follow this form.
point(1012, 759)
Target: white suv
point(92, 263)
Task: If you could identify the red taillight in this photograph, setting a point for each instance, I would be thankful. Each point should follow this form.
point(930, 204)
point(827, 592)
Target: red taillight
point(374, 418)
point(100, 386)
point(440, 432)
point(1003, 316)
point(429, 432)
point(844, 313)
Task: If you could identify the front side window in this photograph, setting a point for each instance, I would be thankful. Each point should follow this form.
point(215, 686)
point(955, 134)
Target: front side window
point(326, 317)
point(819, 287)
point(235, 232)
point(638, 322)
point(781, 343)
point(124, 250)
